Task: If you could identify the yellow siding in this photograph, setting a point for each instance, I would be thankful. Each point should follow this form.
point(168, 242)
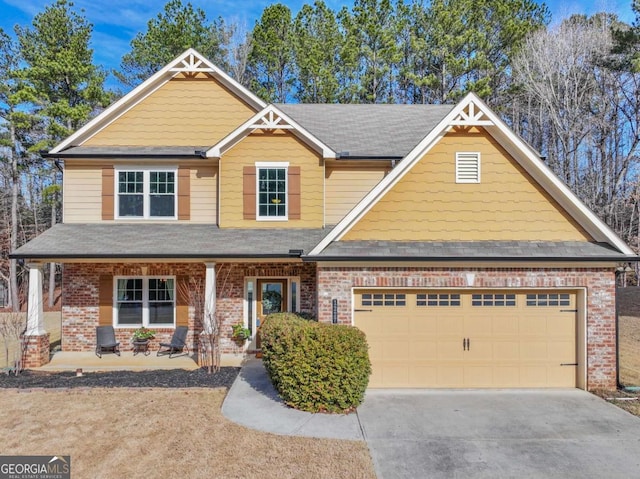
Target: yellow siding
point(345, 187)
point(204, 183)
point(82, 194)
point(183, 112)
point(271, 147)
point(428, 205)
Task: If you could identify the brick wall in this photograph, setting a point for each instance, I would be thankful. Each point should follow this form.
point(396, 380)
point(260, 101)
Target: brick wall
point(337, 283)
point(80, 294)
point(36, 352)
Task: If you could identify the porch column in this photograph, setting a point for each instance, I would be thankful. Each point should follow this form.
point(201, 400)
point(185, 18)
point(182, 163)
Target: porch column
point(35, 312)
point(36, 338)
point(209, 296)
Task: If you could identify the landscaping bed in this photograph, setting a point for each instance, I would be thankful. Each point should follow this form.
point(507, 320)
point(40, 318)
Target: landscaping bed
point(168, 378)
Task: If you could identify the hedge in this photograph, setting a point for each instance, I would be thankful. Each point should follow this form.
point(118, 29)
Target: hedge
point(315, 367)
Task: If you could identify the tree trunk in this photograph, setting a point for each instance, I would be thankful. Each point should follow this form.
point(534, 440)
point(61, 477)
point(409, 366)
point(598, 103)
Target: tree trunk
point(15, 187)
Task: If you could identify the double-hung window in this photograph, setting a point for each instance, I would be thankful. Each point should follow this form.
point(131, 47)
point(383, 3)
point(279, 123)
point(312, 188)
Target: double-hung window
point(145, 301)
point(146, 193)
point(272, 191)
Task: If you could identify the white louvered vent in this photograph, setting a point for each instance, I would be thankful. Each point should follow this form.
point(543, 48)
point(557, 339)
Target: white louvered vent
point(467, 167)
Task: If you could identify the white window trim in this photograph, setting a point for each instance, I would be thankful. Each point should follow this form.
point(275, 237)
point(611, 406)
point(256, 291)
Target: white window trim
point(146, 172)
point(479, 163)
point(272, 164)
point(145, 302)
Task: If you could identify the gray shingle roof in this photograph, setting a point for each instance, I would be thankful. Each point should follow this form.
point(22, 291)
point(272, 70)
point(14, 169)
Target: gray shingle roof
point(368, 130)
point(150, 151)
point(178, 240)
point(471, 250)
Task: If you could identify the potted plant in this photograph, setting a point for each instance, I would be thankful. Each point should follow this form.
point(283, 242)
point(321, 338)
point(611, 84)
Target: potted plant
point(143, 334)
point(240, 333)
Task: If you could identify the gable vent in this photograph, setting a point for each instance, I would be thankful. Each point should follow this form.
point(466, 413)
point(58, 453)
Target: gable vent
point(467, 167)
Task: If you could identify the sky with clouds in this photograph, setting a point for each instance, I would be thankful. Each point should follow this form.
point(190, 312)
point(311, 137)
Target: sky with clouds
point(116, 22)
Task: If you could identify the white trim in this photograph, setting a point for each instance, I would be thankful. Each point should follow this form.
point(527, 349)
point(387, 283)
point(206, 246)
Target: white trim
point(520, 151)
point(145, 301)
point(182, 63)
point(270, 118)
point(146, 173)
point(268, 165)
point(467, 156)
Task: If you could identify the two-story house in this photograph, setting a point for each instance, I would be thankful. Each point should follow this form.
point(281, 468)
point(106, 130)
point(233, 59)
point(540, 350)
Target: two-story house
point(434, 229)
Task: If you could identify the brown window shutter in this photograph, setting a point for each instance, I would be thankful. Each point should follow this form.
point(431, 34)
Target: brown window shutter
point(184, 193)
point(107, 192)
point(294, 192)
point(105, 300)
point(182, 300)
point(249, 193)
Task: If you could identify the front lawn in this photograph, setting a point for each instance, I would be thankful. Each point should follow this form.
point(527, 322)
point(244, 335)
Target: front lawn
point(163, 433)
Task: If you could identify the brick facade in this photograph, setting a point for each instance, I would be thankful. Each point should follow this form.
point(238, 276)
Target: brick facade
point(80, 298)
point(36, 352)
point(338, 282)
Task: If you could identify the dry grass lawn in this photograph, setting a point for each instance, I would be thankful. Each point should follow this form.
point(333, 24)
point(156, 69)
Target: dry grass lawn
point(137, 433)
point(52, 324)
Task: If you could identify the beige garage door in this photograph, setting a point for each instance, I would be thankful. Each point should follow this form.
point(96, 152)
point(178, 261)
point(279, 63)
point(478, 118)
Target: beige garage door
point(454, 339)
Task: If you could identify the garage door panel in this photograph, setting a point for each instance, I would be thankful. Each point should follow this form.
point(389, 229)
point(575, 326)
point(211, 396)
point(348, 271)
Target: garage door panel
point(514, 339)
point(423, 350)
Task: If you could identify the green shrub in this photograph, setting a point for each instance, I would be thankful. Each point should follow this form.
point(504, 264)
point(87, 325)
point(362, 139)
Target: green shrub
point(315, 366)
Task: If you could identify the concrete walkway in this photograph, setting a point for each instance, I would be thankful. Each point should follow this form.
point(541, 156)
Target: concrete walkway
point(253, 402)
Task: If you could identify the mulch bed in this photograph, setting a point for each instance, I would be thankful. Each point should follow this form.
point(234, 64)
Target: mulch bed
point(171, 378)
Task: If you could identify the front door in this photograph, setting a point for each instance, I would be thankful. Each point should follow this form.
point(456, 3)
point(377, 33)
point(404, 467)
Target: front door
point(272, 297)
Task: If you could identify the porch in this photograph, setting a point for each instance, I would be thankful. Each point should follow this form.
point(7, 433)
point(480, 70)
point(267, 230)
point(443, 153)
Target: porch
point(89, 362)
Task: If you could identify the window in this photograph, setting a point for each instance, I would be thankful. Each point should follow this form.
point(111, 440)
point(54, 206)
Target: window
point(146, 193)
point(272, 191)
point(435, 299)
point(562, 299)
point(467, 167)
point(386, 299)
point(145, 302)
point(493, 300)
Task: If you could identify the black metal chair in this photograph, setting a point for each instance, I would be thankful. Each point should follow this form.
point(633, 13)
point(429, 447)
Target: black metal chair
point(178, 343)
point(106, 341)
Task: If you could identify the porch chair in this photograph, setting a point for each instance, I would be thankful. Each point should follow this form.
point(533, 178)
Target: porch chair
point(178, 343)
point(106, 341)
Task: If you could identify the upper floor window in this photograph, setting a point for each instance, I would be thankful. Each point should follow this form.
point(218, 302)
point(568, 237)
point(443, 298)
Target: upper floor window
point(272, 191)
point(146, 193)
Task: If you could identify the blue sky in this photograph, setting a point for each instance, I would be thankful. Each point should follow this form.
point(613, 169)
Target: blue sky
point(116, 22)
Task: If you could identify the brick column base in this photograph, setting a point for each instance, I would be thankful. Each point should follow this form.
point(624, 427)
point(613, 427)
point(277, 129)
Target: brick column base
point(36, 352)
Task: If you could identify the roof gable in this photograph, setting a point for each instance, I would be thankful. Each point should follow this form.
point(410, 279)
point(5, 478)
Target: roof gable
point(470, 112)
point(270, 118)
point(189, 63)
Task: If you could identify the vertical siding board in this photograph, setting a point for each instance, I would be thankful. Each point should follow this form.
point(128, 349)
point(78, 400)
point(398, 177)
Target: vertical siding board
point(249, 193)
point(184, 193)
point(182, 300)
point(294, 192)
point(105, 295)
point(107, 192)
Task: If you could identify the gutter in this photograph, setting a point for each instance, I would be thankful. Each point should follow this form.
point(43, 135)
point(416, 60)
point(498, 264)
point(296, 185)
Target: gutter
point(498, 259)
point(196, 154)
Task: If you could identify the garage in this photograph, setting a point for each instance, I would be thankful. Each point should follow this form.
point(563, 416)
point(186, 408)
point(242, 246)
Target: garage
point(469, 339)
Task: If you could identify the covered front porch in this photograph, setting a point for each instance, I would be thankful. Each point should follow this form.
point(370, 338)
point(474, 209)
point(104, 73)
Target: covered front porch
point(127, 361)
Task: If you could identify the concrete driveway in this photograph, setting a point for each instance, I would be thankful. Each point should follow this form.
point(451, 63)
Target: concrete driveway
point(499, 434)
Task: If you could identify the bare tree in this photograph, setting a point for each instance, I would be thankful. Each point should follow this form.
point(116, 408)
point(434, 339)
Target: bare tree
point(12, 328)
point(208, 316)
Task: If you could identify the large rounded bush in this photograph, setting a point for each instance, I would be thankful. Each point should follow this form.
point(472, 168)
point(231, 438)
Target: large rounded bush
point(315, 366)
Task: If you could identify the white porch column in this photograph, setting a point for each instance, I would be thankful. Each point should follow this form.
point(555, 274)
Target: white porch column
point(209, 296)
point(35, 312)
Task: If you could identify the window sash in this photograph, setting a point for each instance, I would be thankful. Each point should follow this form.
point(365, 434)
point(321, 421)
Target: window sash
point(145, 301)
point(272, 188)
point(147, 193)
